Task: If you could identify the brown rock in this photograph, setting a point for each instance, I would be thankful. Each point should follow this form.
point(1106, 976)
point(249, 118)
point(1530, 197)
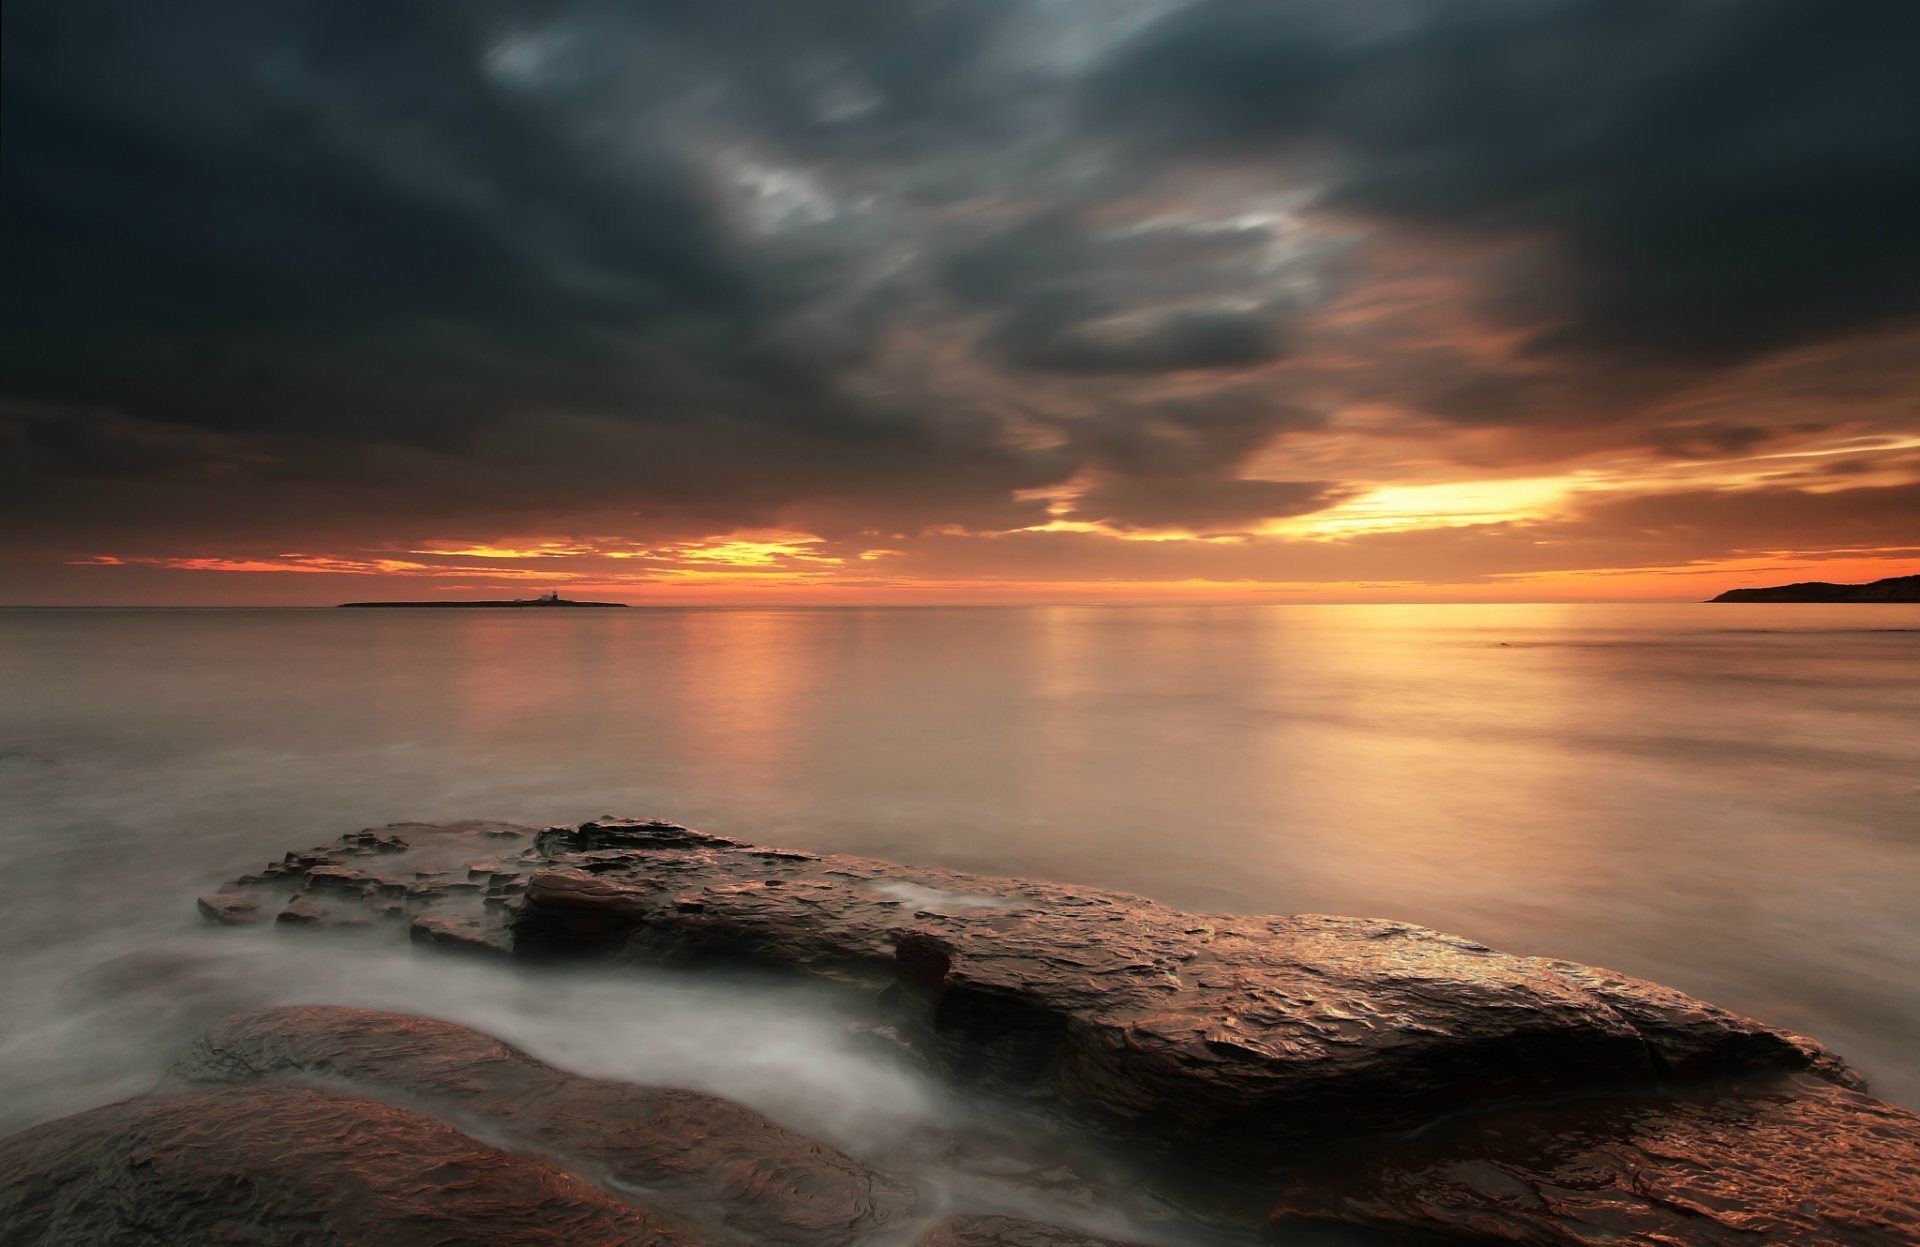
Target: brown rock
point(369, 876)
point(995, 1231)
point(304, 911)
point(714, 1158)
point(231, 909)
point(461, 934)
point(1809, 1164)
point(628, 833)
point(1272, 1036)
point(1250, 1043)
point(295, 1168)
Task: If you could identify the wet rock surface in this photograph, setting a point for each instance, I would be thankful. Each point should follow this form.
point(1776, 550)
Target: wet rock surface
point(446, 880)
point(293, 1167)
point(1806, 1163)
point(1274, 1033)
point(1468, 1094)
point(456, 933)
point(718, 1161)
point(996, 1231)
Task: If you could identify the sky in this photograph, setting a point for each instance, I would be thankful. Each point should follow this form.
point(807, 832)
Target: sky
point(925, 301)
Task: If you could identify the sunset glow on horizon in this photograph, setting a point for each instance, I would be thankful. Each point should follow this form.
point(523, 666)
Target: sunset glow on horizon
point(983, 622)
point(1083, 305)
point(1528, 519)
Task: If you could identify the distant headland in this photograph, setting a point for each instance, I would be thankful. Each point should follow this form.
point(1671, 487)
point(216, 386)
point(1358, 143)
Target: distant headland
point(1892, 589)
point(552, 599)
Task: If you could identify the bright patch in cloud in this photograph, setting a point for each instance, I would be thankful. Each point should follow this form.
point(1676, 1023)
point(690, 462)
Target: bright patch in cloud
point(1452, 505)
point(543, 550)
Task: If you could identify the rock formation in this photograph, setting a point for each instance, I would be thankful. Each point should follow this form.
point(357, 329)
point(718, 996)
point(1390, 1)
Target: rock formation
point(1361, 1072)
point(1801, 1162)
point(294, 1167)
point(717, 1160)
point(1275, 1034)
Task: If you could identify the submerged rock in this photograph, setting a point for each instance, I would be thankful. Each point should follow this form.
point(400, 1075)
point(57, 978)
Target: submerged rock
point(231, 909)
point(295, 1168)
point(717, 1159)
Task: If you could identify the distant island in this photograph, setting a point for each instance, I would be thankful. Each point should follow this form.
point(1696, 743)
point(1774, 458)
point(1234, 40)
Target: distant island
point(552, 599)
point(1892, 589)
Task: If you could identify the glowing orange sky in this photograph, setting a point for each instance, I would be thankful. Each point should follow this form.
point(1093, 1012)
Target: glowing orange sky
point(1606, 521)
point(662, 310)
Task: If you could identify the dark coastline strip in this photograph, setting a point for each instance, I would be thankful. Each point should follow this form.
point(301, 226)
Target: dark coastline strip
point(1893, 589)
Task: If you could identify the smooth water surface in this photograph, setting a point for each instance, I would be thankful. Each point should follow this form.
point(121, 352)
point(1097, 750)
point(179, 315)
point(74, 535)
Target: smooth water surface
point(1721, 797)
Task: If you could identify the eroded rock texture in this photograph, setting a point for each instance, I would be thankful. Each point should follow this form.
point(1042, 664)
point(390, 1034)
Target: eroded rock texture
point(1808, 1163)
point(1272, 1033)
point(1256, 1044)
point(718, 1160)
point(293, 1167)
point(442, 878)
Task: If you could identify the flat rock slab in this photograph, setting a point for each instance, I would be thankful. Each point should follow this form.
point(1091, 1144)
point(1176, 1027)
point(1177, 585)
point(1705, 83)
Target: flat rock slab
point(293, 1167)
point(451, 882)
point(1274, 1035)
point(1252, 1045)
point(715, 1160)
point(1813, 1165)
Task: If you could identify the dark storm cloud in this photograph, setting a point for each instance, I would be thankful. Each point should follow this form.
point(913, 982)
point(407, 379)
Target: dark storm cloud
point(1704, 523)
point(1171, 297)
point(54, 442)
point(1177, 342)
point(1072, 300)
point(96, 482)
point(1210, 436)
point(872, 268)
point(263, 215)
point(1708, 440)
point(1718, 176)
point(329, 226)
point(1177, 464)
point(876, 78)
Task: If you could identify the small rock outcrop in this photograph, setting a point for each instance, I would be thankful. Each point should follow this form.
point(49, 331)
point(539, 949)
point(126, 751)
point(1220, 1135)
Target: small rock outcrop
point(715, 1160)
point(446, 880)
point(294, 1167)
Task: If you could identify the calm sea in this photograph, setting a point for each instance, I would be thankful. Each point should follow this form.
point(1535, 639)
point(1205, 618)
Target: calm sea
point(1723, 798)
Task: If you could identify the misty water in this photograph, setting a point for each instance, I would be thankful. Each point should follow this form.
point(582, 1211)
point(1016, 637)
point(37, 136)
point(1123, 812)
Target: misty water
point(1723, 798)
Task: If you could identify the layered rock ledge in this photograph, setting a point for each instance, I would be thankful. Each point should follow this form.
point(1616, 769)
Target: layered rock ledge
point(1267, 1044)
point(330, 1125)
point(712, 1159)
point(1273, 1032)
